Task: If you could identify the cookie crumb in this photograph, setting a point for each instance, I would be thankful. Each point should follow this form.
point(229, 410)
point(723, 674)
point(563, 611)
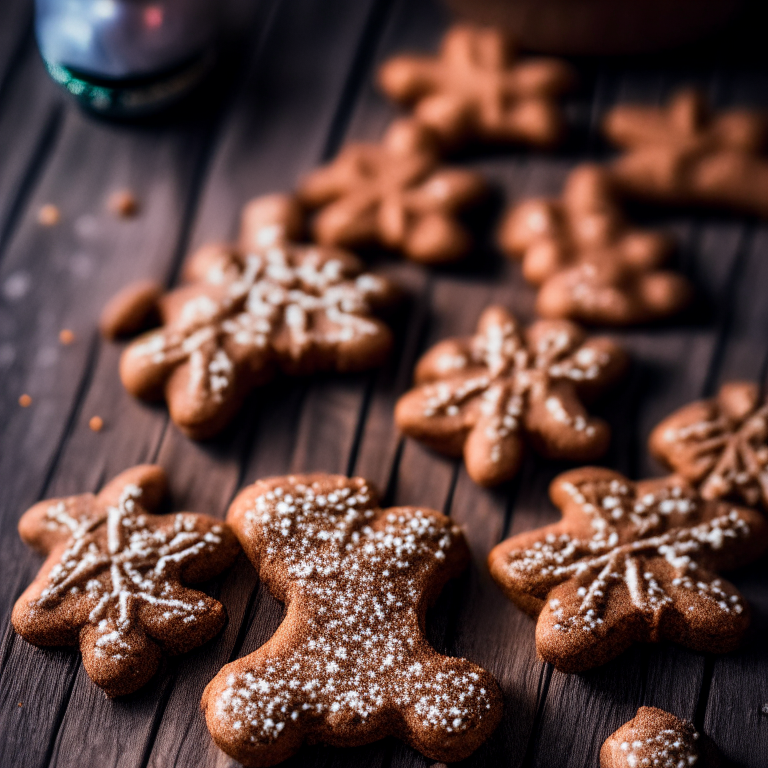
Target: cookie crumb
point(66, 336)
point(96, 423)
point(48, 215)
point(123, 203)
point(25, 401)
point(20, 704)
point(764, 709)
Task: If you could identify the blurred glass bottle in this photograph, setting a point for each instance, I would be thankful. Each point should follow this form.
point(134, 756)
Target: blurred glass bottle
point(126, 57)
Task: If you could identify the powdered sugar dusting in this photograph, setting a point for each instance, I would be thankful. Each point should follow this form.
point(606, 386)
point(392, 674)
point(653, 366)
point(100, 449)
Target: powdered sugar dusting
point(357, 575)
point(656, 739)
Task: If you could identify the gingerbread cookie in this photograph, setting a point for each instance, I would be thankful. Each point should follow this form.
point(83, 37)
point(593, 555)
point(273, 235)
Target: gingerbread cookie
point(350, 663)
point(251, 311)
point(684, 154)
point(476, 88)
point(630, 562)
point(656, 738)
point(396, 194)
point(486, 395)
point(589, 262)
point(113, 582)
point(720, 445)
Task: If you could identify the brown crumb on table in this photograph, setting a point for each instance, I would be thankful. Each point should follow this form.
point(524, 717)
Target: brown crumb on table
point(66, 336)
point(96, 423)
point(25, 401)
point(20, 704)
point(123, 203)
point(48, 215)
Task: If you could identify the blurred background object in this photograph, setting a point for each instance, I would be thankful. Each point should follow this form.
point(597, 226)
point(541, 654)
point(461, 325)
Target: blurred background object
point(127, 57)
point(601, 27)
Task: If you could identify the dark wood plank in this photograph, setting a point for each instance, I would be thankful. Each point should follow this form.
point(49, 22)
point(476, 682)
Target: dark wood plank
point(30, 116)
point(15, 33)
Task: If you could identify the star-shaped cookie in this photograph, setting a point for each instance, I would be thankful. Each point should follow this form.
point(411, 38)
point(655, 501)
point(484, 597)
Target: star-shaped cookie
point(630, 562)
point(250, 311)
point(350, 663)
point(589, 262)
point(113, 581)
point(720, 445)
point(396, 194)
point(686, 154)
point(487, 395)
point(476, 88)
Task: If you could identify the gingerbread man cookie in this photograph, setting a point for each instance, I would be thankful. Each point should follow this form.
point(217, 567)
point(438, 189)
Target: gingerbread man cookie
point(114, 578)
point(477, 89)
point(350, 663)
point(656, 738)
point(250, 311)
point(589, 262)
point(684, 154)
point(396, 194)
point(720, 445)
point(486, 395)
point(630, 562)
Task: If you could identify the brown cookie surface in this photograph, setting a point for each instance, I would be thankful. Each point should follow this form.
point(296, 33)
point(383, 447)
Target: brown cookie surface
point(685, 154)
point(630, 562)
point(476, 88)
point(249, 312)
point(487, 395)
point(589, 262)
point(656, 738)
point(395, 193)
point(720, 444)
point(114, 578)
point(350, 663)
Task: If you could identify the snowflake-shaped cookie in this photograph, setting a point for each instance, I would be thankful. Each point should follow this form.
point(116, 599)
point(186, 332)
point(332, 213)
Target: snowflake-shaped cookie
point(629, 562)
point(684, 154)
point(720, 445)
point(477, 89)
point(249, 312)
point(395, 193)
point(350, 663)
point(113, 580)
point(485, 395)
point(589, 262)
point(658, 739)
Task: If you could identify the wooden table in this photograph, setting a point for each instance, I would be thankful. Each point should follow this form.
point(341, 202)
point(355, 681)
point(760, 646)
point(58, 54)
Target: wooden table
point(299, 85)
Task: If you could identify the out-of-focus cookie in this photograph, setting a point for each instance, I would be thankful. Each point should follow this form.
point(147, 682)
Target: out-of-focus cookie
point(114, 580)
point(396, 194)
point(630, 562)
point(350, 663)
point(486, 396)
point(250, 311)
point(720, 445)
point(685, 154)
point(131, 310)
point(590, 263)
point(656, 738)
point(477, 88)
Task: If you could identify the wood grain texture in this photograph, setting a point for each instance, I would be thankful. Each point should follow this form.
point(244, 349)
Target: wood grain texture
point(296, 84)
